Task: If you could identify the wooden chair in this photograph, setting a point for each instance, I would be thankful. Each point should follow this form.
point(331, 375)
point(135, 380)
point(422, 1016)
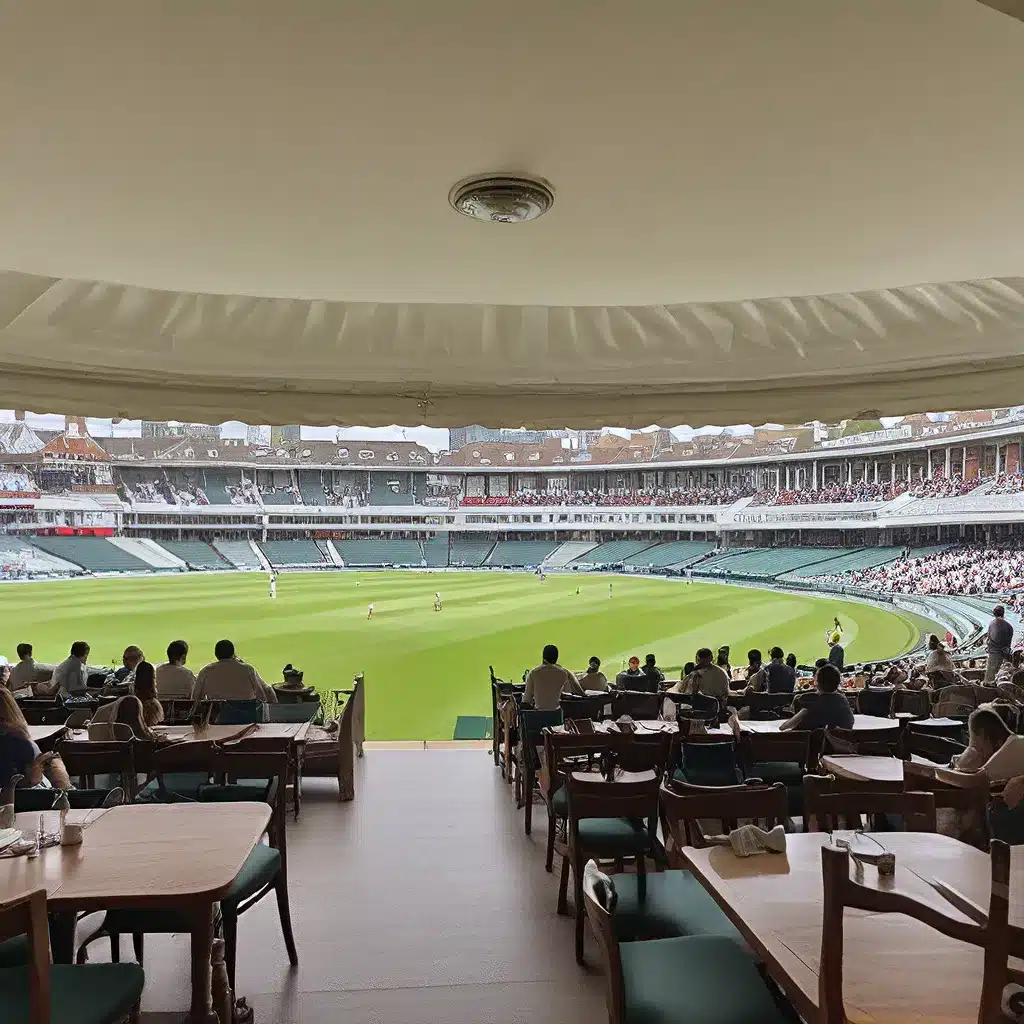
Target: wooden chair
point(970, 804)
point(501, 694)
point(990, 931)
point(875, 700)
point(39, 992)
point(912, 702)
point(768, 706)
point(564, 752)
point(265, 869)
point(683, 807)
point(826, 801)
point(704, 760)
point(674, 980)
point(615, 820)
point(781, 757)
point(926, 743)
point(638, 752)
point(328, 755)
point(85, 760)
point(881, 742)
point(526, 761)
point(50, 714)
point(591, 708)
point(638, 706)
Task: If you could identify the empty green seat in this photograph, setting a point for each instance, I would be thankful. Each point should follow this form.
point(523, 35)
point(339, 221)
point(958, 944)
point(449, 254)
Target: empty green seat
point(674, 904)
point(79, 994)
point(613, 836)
point(695, 979)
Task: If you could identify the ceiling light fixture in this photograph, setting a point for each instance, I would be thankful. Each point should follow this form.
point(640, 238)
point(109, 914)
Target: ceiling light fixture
point(504, 198)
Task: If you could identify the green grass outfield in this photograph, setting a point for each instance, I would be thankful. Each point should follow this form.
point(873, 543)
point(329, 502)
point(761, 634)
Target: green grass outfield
point(423, 668)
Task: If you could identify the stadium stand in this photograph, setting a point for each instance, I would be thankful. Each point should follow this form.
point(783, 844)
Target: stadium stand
point(18, 556)
point(613, 552)
point(676, 553)
point(147, 551)
point(285, 553)
point(239, 553)
point(221, 488)
point(380, 551)
point(567, 552)
point(518, 553)
point(767, 562)
point(383, 493)
point(197, 554)
point(93, 553)
point(470, 551)
point(864, 559)
point(435, 552)
point(311, 487)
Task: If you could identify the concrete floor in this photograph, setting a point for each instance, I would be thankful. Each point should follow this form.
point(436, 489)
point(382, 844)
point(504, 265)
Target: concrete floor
point(422, 900)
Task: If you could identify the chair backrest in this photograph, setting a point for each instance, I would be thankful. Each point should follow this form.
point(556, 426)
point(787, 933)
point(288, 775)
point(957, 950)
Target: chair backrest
point(303, 712)
point(584, 707)
point(532, 723)
point(599, 902)
point(26, 915)
point(708, 761)
point(50, 714)
point(799, 746)
point(629, 796)
point(564, 752)
point(926, 743)
point(240, 712)
point(271, 765)
point(350, 733)
point(882, 742)
point(768, 705)
point(875, 700)
point(78, 719)
point(639, 706)
point(684, 806)
point(914, 702)
point(992, 933)
point(1005, 824)
point(85, 759)
point(829, 803)
point(197, 756)
point(639, 751)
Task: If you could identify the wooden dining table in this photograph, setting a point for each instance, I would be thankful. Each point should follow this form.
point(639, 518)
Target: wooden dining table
point(896, 970)
point(45, 737)
point(180, 857)
point(865, 768)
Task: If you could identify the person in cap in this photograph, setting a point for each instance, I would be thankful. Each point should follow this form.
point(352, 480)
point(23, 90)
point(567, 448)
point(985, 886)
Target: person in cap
point(631, 678)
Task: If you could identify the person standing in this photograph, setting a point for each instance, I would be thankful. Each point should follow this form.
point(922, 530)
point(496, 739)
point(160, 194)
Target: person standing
point(273, 585)
point(998, 641)
point(548, 681)
point(836, 654)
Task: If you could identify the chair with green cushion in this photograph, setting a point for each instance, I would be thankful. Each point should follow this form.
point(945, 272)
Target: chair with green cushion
point(531, 724)
point(37, 991)
point(564, 752)
point(832, 803)
point(93, 764)
point(265, 869)
point(240, 712)
point(293, 713)
point(611, 819)
point(174, 771)
point(781, 757)
point(707, 764)
point(690, 979)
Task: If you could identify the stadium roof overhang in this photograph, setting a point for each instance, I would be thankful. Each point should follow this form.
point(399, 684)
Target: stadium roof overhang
point(763, 212)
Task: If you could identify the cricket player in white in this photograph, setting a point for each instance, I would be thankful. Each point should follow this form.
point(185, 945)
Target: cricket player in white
point(369, 611)
point(273, 585)
point(437, 600)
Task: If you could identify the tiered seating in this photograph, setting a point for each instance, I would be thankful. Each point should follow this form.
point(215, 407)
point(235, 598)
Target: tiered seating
point(92, 553)
point(567, 552)
point(378, 551)
point(674, 552)
point(381, 494)
point(216, 486)
point(238, 553)
point(613, 552)
point(865, 559)
point(311, 487)
point(768, 562)
point(292, 552)
point(435, 552)
point(277, 498)
point(521, 552)
point(470, 550)
point(197, 554)
point(17, 551)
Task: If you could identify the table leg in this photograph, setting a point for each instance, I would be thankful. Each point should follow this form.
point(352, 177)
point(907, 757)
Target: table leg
point(201, 1011)
point(62, 936)
point(300, 757)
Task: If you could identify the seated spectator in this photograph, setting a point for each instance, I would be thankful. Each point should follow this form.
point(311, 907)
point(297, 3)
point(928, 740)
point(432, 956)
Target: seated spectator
point(781, 677)
point(547, 682)
point(828, 709)
point(992, 749)
point(627, 680)
point(230, 678)
point(69, 677)
point(756, 679)
point(173, 680)
point(146, 694)
point(654, 678)
point(708, 678)
point(938, 665)
point(130, 660)
point(19, 754)
point(723, 661)
point(594, 678)
point(27, 672)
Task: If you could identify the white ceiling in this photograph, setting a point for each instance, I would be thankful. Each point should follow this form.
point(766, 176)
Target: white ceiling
point(855, 167)
point(700, 150)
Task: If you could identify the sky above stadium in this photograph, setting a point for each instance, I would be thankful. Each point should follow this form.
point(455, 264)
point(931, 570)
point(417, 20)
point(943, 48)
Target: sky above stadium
point(436, 439)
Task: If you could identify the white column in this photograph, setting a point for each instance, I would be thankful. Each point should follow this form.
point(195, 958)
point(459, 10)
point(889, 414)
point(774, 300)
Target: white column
point(963, 471)
point(997, 459)
point(849, 472)
point(929, 454)
point(788, 488)
point(814, 479)
point(876, 471)
point(949, 453)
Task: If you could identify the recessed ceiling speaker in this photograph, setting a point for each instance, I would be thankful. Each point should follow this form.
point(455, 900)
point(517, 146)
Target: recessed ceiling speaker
point(501, 198)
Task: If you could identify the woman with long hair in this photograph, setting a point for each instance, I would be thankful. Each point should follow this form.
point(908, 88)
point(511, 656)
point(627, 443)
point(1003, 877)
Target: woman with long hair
point(49, 766)
point(145, 690)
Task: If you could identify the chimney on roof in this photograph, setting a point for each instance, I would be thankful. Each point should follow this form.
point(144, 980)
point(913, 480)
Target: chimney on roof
point(19, 415)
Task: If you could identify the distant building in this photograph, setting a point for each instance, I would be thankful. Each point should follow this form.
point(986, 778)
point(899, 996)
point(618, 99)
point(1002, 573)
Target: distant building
point(459, 437)
point(285, 435)
point(200, 431)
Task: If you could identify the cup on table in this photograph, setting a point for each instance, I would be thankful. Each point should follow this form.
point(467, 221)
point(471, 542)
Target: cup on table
point(71, 834)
